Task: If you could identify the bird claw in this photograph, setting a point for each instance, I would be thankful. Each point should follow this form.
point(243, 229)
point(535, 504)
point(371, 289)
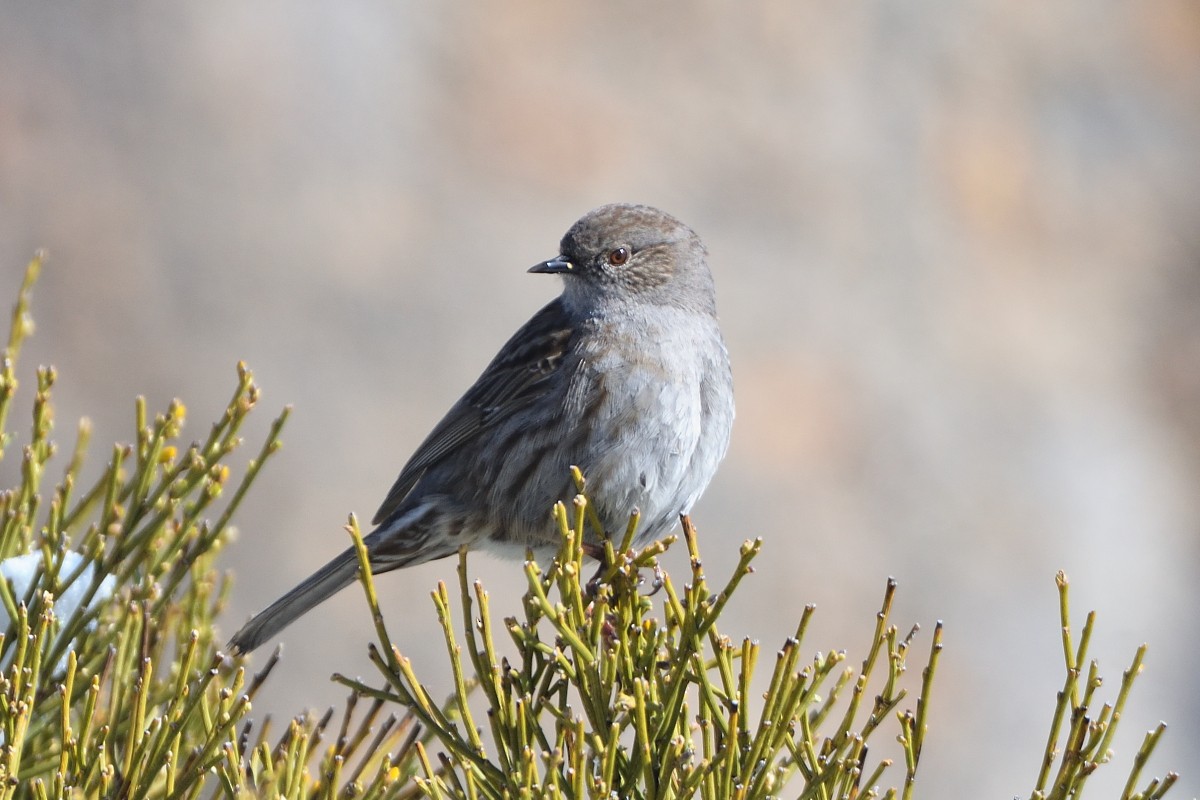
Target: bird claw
point(656, 585)
point(593, 585)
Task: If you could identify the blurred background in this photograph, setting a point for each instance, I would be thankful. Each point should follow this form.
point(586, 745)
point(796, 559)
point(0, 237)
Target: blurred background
point(957, 250)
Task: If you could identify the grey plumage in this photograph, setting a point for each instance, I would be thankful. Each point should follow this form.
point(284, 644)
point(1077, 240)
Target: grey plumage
point(624, 375)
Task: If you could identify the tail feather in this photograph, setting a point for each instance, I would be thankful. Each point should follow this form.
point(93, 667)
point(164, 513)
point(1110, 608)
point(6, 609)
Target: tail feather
point(317, 588)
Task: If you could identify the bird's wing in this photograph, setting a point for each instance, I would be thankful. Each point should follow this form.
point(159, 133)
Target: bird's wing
point(519, 373)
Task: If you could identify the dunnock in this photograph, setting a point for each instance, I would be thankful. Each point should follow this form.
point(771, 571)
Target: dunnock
point(624, 375)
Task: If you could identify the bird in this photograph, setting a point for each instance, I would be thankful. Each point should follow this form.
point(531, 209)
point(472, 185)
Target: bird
point(624, 375)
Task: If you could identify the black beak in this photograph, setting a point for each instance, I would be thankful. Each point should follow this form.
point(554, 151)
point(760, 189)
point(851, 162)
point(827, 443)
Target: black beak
point(558, 265)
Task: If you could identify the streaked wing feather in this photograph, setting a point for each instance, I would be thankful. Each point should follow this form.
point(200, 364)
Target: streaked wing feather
point(518, 374)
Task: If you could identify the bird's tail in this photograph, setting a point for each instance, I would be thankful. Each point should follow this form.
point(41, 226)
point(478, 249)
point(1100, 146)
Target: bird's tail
point(317, 588)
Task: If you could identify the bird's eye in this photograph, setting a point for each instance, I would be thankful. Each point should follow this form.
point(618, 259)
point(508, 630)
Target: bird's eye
point(619, 256)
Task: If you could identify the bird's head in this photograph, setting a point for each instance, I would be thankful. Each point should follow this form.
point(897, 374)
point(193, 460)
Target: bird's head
point(632, 253)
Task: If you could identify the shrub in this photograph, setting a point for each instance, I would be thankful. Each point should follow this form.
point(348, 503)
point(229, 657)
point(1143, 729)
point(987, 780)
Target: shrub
point(111, 683)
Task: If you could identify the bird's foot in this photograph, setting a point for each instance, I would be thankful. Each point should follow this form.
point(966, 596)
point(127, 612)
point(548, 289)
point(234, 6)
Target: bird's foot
point(604, 570)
